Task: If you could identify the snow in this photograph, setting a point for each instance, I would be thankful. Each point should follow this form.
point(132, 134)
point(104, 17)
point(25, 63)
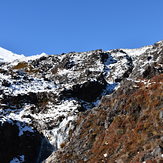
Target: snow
point(105, 155)
point(136, 52)
point(28, 58)
point(60, 115)
point(97, 102)
point(115, 66)
point(34, 57)
point(60, 134)
point(145, 82)
point(6, 77)
point(15, 114)
point(8, 56)
point(13, 59)
point(4, 119)
point(34, 84)
point(23, 128)
point(12, 116)
point(19, 159)
point(67, 109)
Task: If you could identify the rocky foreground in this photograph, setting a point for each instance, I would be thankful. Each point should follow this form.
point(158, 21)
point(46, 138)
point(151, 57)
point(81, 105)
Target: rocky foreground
point(96, 106)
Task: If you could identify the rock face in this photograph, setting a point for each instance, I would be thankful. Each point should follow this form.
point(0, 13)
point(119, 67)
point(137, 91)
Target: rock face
point(97, 106)
point(19, 142)
point(125, 127)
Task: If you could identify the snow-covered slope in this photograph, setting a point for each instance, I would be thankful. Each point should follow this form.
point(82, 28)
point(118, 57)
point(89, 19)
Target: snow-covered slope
point(8, 56)
point(44, 94)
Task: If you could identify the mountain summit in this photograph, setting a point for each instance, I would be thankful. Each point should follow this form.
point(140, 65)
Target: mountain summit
point(8, 56)
point(95, 106)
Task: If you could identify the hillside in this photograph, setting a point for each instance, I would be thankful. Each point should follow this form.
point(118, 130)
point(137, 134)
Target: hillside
point(96, 106)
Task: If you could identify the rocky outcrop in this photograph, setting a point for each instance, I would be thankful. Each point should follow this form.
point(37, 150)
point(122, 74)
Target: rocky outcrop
point(126, 127)
point(88, 91)
point(20, 142)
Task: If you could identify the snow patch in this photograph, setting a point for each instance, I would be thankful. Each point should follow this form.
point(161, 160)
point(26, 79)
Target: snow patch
point(19, 159)
point(23, 128)
point(136, 52)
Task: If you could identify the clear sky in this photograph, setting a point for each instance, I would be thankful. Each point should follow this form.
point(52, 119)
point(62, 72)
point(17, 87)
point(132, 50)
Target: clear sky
point(57, 26)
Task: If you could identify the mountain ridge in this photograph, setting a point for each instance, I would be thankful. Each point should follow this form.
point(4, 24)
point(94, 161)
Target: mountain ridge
point(4, 52)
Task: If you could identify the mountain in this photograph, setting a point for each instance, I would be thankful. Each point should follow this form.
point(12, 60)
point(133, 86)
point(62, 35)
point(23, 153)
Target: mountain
point(8, 56)
point(95, 106)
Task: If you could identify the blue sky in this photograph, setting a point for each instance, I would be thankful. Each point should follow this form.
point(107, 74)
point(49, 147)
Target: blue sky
point(57, 26)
